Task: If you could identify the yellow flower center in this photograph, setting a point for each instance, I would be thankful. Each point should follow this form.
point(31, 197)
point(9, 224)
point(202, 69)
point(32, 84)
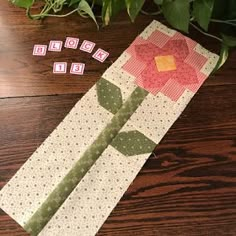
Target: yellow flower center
point(165, 63)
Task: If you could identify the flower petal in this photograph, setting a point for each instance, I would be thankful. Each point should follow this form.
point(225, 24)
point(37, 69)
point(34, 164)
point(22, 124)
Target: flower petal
point(146, 52)
point(185, 74)
point(152, 78)
point(177, 48)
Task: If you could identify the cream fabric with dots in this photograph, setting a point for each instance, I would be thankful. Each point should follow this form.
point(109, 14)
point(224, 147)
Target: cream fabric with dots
point(154, 26)
point(121, 60)
point(158, 113)
point(120, 77)
point(91, 202)
point(211, 62)
point(32, 184)
point(88, 206)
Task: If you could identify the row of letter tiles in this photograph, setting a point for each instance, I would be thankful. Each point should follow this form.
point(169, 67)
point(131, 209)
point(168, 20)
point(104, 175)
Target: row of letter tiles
point(56, 46)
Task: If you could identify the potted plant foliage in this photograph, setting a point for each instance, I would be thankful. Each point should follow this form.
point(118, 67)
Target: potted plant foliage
point(181, 14)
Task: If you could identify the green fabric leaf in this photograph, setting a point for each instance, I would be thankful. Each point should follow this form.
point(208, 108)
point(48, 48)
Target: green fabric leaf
point(224, 53)
point(109, 95)
point(202, 10)
point(133, 143)
point(134, 7)
point(84, 6)
point(23, 3)
point(177, 13)
point(229, 40)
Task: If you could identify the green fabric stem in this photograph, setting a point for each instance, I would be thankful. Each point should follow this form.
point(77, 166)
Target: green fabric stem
point(46, 211)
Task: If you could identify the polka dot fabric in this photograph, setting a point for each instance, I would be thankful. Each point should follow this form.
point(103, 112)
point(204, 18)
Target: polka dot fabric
point(94, 198)
point(154, 26)
point(31, 185)
point(106, 182)
point(90, 128)
point(158, 113)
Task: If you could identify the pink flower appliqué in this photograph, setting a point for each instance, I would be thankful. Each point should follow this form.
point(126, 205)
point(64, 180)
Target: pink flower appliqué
point(169, 67)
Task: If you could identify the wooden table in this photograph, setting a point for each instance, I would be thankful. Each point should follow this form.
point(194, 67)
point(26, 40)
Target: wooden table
point(187, 188)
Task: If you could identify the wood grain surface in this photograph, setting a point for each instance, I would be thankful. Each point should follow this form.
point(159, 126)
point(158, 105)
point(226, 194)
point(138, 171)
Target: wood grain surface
point(188, 187)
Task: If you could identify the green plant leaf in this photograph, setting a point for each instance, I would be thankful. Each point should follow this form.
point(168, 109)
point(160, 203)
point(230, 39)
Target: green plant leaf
point(133, 143)
point(134, 7)
point(111, 8)
point(158, 2)
point(224, 53)
point(98, 2)
point(109, 95)
point(225, 11)
point(229, 40)
point(177, 13)
point(219, 10)
point(85, 7)
point(117, 6)
point(231, 13)
point(202, 11)
point(106, 11)
point(23, 3)
point(72, 2)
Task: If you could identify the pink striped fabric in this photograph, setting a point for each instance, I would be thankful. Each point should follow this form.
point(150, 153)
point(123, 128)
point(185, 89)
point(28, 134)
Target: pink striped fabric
point(159, 39)
point(134, 67)
point(195, 60)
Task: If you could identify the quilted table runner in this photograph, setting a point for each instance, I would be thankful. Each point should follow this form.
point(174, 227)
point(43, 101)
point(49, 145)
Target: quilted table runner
point(72, 182)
